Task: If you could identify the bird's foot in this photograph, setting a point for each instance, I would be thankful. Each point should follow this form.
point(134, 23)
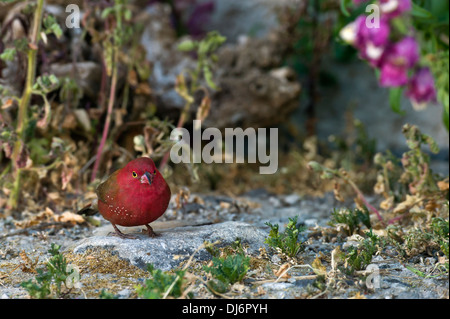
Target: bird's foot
point(150, 232)
point(122, 235)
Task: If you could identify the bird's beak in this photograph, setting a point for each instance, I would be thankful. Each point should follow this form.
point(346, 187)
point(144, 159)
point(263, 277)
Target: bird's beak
point(147, 178)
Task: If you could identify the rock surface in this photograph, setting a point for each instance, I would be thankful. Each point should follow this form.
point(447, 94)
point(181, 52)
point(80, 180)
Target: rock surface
point(118, 265)
point(172, 246)
point(255, 90)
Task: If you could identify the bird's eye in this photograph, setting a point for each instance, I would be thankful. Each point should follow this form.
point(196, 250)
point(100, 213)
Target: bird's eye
point(134, 174)
point(154, 172)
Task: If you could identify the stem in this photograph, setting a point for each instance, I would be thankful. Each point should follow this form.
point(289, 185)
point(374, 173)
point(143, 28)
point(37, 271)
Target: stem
point(368, 205)
point(108, 116)
point(181, 121)
point(14, 196)
point(22, 116)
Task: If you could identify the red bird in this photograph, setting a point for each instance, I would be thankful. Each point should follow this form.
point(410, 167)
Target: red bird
point(134, 195)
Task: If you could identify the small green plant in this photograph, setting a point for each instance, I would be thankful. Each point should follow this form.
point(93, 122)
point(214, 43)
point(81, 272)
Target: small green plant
point(354, 219)
point(287, 241)
point(162, 284)
point(440, 230)
point(421, 239)
point(26, 122)
point(206, 60)
point(411, 175)
point(212, 249)
point(105, 294)
point(358, 258)
point(41, 288)
point(56, 274)
point(421, 273)
point(229, 269)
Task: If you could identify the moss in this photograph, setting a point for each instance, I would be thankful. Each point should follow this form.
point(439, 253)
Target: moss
point(100, 269)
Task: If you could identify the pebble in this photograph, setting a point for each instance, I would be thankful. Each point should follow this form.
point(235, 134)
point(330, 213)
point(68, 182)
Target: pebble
point(291, 200)
point(275, 202)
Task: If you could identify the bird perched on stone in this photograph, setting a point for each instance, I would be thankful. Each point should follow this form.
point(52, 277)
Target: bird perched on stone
point(134, 195)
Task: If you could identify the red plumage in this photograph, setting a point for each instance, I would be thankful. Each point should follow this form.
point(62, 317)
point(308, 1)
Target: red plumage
point(134, 195)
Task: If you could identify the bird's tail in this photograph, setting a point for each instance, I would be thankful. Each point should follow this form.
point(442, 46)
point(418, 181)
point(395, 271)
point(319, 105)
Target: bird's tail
point(89, 210)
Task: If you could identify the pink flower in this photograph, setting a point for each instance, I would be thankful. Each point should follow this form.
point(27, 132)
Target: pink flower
point(397, 60)
point(378, 36)
point(421, 89)
point(394, 8)
point(371, 41)
point(393, 75)
point(403, 53)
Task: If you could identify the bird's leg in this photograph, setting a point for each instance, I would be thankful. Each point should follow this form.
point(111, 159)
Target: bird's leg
point(151, 233)
point(122, 235)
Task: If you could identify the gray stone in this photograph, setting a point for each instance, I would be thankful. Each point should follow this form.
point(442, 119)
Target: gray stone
point(311, 222)
point(172, 246)
point(274, 201)
point(291, 200)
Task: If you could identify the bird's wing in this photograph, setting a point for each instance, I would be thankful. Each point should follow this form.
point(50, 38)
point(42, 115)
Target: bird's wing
point(107, 191)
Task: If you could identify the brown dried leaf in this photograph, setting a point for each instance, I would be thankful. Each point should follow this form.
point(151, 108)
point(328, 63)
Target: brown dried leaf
point(54, 196)
point(379, 186)
point(83, 119)
point(358, 296)
point(150, 138)
point(319, 269)
point(282, 271)
point(336, 192)
point(23, 160)
point(443, 185)
point(260, 291)
point(132, 78)
point(387, 203)
point(410, 201)
point(143, 89)
point(181, 88)
point(69, 217)
point(35, 219)
point(182, 197)
point(66, 176)
point(335, 257)
point(7, 104)
point(432, 206)
point(28, 265)
point(198, 200)
point(69, 122)
point(204, 108)
point(442, 260)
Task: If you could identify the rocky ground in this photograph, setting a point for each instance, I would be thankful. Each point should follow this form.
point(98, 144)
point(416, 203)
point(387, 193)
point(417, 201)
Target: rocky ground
point(106, 262)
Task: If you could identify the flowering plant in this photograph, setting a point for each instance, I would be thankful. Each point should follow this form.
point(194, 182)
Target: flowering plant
point(404, 40)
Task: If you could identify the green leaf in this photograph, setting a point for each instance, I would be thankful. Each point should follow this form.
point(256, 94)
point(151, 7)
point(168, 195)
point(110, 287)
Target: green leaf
point(344, 5)
point(445, 115)
point(209, 77)
point(420, 273)
point(106, 12)
point(187, 45)
point(8, 54)
point(420, 12)
point(287, 241)
point(161, 281)
point(45, 84)
point(229, 269)
point(127, 14)
point(52, 26)
point(57, 31)
point(395, 98)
